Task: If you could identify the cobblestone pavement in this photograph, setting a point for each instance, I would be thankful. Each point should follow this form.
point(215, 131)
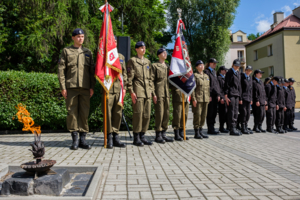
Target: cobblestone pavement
point(258, 166)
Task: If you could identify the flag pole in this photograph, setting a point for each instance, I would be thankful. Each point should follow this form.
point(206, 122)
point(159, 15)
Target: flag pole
point(183, 112)
point(105, 113)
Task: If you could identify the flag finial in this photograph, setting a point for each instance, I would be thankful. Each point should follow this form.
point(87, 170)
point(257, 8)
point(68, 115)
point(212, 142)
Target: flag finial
point(179, 11)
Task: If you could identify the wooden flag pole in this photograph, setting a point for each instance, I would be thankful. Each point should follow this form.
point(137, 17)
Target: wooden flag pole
point(105, 119)
point(183, 112)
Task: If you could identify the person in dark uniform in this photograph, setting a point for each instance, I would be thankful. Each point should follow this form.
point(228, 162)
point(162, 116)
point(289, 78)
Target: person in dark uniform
point(244, 108)
point(281, 104)
point(259, 101)
point(222, 104)
point(271, 94)
point(289, 106)
point(232, 91)
point(292, 81)
point(267, 80)
point(214, 95)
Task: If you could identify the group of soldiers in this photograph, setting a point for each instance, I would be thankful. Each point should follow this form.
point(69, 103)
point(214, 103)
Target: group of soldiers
point(230, 91)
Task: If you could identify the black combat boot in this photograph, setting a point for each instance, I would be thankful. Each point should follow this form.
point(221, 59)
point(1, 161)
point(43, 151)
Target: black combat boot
point(285, 127)
point(292, 127)
point(136, 140)
point(181, 134)
point(222, 129)
point(280, 130)
point(249, 129)
point(159, 138)
point(256, 129)
point(234, 132)
point(82, 142)
point(212, 131)
point(202, 134)
point(75, 140)
point(271, 130)
point(244, 129)
point(261, 129)
point(164, 136)
point(197, 135)
point(177, 136)
point(110, 143)
point(238, 126)
point(144, 140)
point(117, 142)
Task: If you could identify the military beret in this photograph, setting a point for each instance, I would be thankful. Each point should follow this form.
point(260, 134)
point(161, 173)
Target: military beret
point(292, 80)
point(159, 51)
point(199, 62)
point(223, 68)
point(77, 31)
point(212, 60)
point(139, 44)
point(249, 67)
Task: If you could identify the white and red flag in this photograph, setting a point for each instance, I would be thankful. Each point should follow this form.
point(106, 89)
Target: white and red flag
point(108, 67)
point(181, 71)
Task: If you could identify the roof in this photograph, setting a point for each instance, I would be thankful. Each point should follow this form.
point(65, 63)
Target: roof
point(289, 22)
point(239, 31)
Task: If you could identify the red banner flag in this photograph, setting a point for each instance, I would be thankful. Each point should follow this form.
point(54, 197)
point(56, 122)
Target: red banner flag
point(108, 66)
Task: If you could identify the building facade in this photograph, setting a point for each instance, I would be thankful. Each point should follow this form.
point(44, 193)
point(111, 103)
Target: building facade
point(276, 52)
point(237, 49)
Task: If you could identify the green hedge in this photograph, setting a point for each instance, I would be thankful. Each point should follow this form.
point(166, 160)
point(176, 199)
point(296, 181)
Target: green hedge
point(41, 94)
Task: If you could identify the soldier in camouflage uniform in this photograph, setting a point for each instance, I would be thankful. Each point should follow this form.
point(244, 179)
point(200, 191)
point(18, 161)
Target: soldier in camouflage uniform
point(76, 77)
point(140, 87)
point(161, 96)
point(114, 110)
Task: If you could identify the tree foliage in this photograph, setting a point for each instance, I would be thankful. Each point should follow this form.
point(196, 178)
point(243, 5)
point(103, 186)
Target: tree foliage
point(253, 36)
point(207, 23)
point(33, 32)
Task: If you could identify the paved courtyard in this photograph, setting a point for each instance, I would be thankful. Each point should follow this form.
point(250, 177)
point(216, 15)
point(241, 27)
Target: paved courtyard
point(258, 166)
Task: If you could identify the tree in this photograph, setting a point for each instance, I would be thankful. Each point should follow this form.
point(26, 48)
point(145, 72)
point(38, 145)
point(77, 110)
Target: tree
point(207, 23)
point(34, 32)
point(253, 36)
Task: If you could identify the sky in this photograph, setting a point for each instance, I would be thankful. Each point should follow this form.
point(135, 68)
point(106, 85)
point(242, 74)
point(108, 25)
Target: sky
point(256, 16)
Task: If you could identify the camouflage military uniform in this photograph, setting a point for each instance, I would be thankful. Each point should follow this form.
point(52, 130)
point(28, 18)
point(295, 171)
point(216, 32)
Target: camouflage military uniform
point(76, 75)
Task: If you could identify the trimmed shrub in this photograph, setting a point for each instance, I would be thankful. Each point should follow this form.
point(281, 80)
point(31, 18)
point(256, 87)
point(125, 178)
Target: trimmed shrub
point(41, 94)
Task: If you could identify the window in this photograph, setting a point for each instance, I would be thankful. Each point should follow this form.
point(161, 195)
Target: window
point(271, 71)
point(240, 55)
point(240, 38)
point(255, 55)
point(270, 50)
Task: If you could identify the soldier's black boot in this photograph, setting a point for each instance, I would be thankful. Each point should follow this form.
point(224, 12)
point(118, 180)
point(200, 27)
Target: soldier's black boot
point(292, 127)
point(234, 132)
point(238, 126)
point(222, 129)
point(244, 129)
point(164, 136)
point(110, 143)
point(136, 140)
point(177, 136)
point(181, 134)
point(211, 130)
point(286, 129)
point(256, 129)
point(197, 135)
point(202, 134)
point(75, 140)
point(261, 129)
point(117, 142)
point(280, 130)
point(159, 138)
point(249, 130)
point(144, 140)
point(82, 142)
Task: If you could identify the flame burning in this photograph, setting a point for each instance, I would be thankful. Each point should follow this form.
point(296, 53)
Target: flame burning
point(24, 117)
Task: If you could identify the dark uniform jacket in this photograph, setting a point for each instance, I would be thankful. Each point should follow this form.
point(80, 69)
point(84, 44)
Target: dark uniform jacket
point(259, 94)
point(293, 94)
point(160, 80)
point(232, 84)
point(280, 97)
point(116, 85)
point(289, 103)
point(246, 84)
point(271, 94)
point(214, 84)
point(221, 84)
